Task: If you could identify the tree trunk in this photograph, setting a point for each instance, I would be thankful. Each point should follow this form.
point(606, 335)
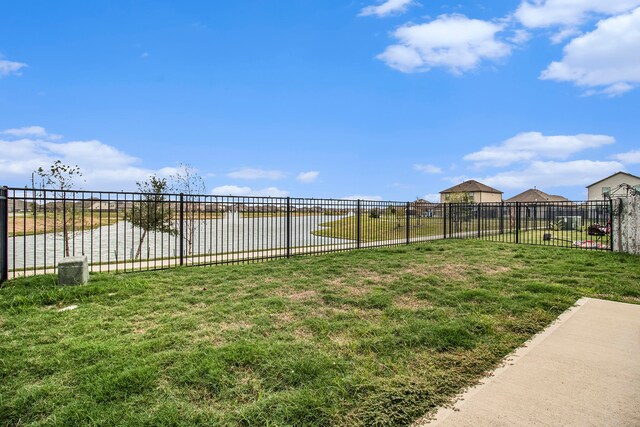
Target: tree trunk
point(66, 237)
point(142, 237)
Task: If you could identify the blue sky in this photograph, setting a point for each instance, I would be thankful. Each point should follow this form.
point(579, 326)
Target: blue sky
point(389, 99)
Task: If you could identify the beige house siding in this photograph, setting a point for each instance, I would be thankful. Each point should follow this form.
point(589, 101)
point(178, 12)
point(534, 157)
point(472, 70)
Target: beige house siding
point(476, 197)
point(489, 198)
point(596, 190)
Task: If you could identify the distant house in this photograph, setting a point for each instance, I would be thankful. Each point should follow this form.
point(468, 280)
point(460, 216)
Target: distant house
point(18, 205)
point(424, 208)
point(611, 185)
point(473, 191)
point(103, 206)
point(535, 195)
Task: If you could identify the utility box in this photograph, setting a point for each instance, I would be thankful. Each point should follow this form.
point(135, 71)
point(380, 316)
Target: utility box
point(570, 222)
point(73, 270)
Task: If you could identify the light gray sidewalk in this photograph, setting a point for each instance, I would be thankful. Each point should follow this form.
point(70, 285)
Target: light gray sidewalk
point(584, 370)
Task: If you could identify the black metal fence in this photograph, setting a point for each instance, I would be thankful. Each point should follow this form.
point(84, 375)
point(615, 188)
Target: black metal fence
point(582, 225)
point(126, 231)
point(4, 235)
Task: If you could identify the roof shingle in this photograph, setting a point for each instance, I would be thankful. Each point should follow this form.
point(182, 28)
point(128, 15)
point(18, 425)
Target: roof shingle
point(469, 186)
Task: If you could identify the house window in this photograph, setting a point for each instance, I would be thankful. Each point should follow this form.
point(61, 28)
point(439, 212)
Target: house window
point(606, 191)
point(446, 197)
point(471, 195)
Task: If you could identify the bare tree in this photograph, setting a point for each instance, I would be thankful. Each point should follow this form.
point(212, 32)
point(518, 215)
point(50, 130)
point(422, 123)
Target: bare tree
point(187, 181)
point(61, 178)
point(149, 214)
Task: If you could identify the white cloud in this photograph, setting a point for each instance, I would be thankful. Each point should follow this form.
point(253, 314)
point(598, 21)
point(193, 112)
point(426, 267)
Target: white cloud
point(308, 177)
point(388, 7)
point(8, 68)
point(30, 131)
point(629, 157)
point(454, 42)
point(429, 169)
point(103, 166)
point(529, 146)
point(520, 36)
point(235, 190)
point(553, 174)
point(363, 197)
point(254, 173)
point(605, 59)
point(92, 155)
point(547, 13)
point(564, 34)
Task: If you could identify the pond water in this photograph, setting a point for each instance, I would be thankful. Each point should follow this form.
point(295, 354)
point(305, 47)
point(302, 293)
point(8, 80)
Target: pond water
point(119, 242)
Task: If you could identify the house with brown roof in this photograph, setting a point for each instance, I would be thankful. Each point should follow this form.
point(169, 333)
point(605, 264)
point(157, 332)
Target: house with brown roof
point(424, 208)
point(611, 186)
point(472, 191)
point(534, 195)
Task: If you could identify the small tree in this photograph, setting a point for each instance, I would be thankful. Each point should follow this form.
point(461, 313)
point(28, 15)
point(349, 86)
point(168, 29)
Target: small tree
point(149, 213)
point(462, 197)
point(464, 209)
point(187, 181)
point(61, 178)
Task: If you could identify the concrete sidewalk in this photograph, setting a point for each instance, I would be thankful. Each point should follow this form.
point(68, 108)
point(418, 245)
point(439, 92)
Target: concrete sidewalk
point(584, 370)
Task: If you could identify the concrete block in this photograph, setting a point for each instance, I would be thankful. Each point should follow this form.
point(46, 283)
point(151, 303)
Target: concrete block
point(73, 270)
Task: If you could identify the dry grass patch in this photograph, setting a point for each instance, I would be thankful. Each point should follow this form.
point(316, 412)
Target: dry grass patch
point(370, 276)
point(490, 269)
point(341, 340)
point(304, 296)
point(302, 333)
point(296, 295)
point(356, 291)
point(410, 302)
point(233, 326)
point(28, 225)
point(281, 319)
point(448, 271)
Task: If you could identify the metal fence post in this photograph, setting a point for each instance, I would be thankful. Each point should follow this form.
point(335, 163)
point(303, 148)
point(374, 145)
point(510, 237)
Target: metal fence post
point(181, 229)
point(358, 213)
point(610, 224)
point(478, 209)
point(288, 227)
point(4, 234)
point(408, 221)
point(517, 222)
point(502, 217)
point(444, 220)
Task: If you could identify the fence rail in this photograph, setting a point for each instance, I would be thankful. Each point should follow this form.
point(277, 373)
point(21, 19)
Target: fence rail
point(126, 231)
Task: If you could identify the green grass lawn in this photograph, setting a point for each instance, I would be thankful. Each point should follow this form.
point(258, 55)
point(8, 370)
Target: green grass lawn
point(370, 337)
point(387, 227)
point(566, 238)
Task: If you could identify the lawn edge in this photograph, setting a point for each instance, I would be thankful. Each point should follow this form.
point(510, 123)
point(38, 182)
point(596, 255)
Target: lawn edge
point(509, 360)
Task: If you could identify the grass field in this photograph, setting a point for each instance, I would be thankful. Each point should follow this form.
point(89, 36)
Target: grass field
point(26, 224)
point(564, 238)
point(377, 229)
point(560, 237)
point(370, 337)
